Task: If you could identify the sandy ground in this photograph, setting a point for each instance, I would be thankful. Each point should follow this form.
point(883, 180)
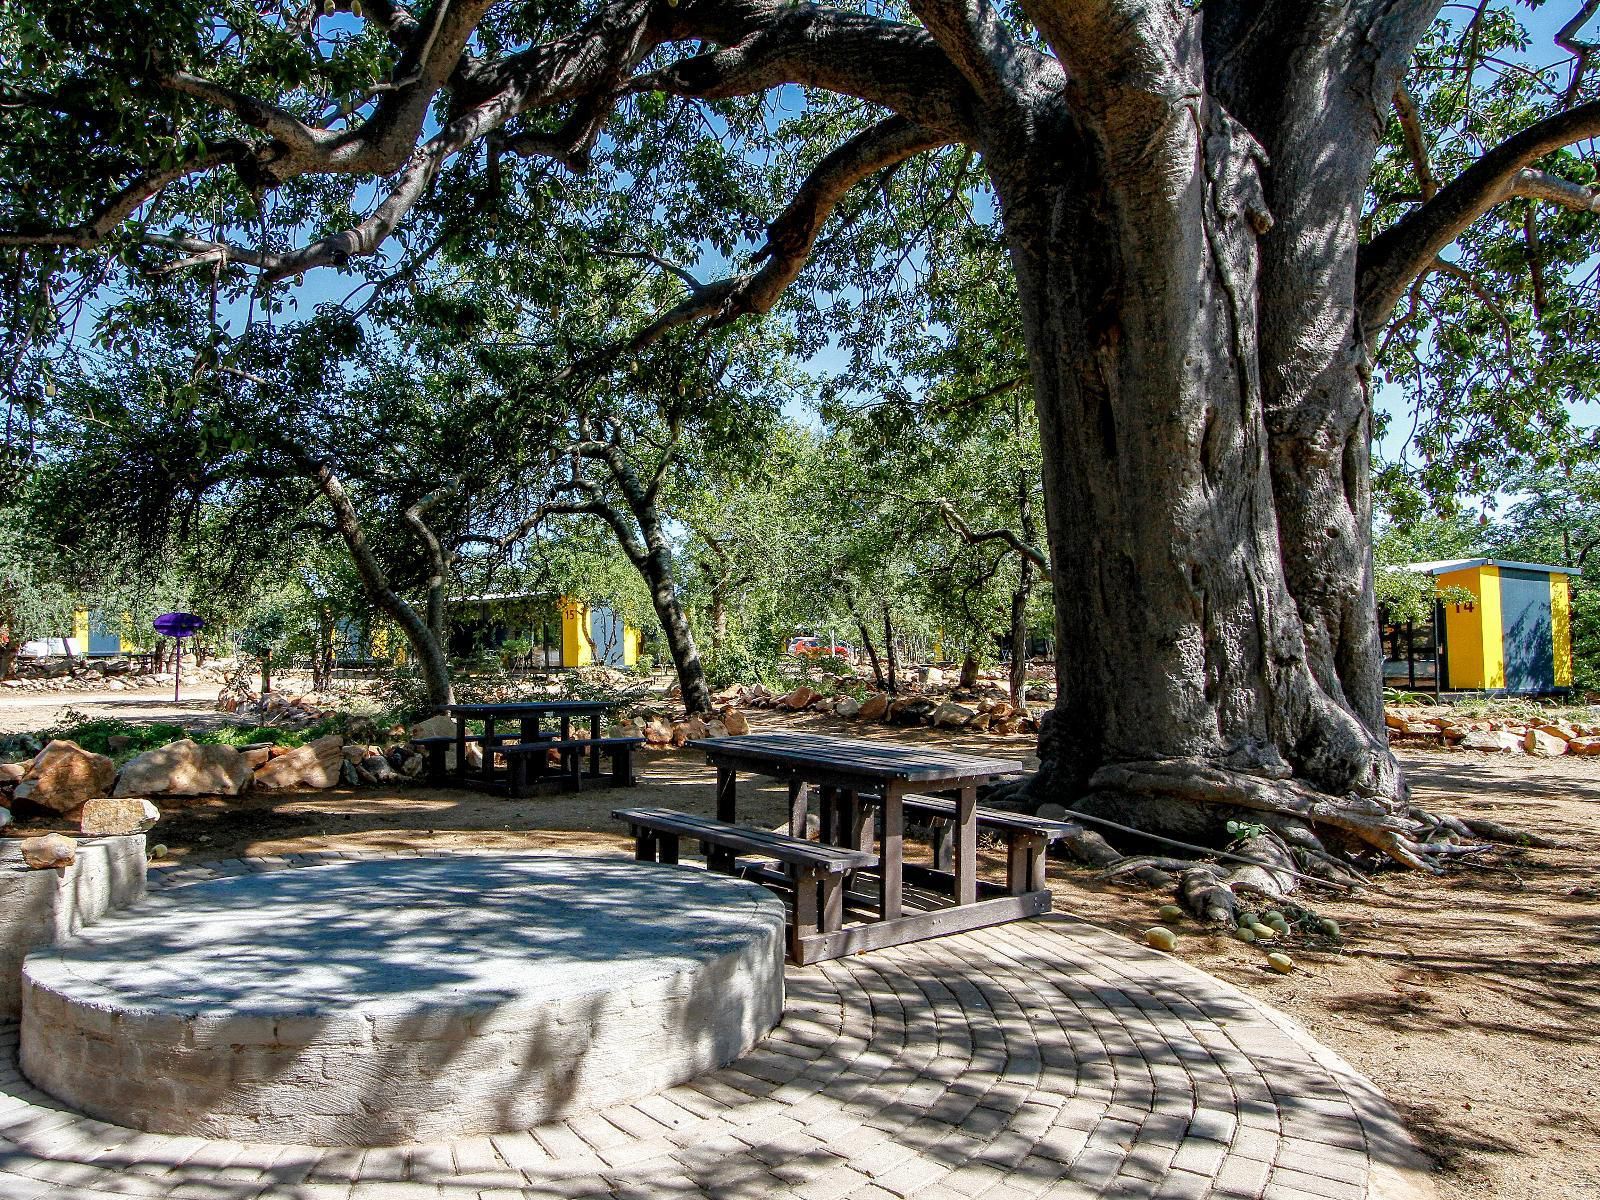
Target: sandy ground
point(26, 712)
point(1472, 999)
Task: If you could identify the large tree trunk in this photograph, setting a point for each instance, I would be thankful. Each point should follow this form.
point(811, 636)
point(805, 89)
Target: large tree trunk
point(1313, 88)
point(424, 642)
point(1188, 657)
point(656, 567)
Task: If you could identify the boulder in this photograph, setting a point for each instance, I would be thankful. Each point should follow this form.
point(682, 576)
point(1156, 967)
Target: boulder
point(801, 697)
point(981, 722)
point(128, 814)
point(12, 773)
point(951, 715)
point(932, 677)
point(1584, 745)
point(874, 707)
point(716, 729)
point(657, 732)
point(314, 765)
point(692, 730)
point(1493, 741)
point(848, 706)
point(64, 775)
point(440, 726)
point(1543, 745)
point(255, 758)
point(737, 723)
point(912, 710)
point(185, 768)
point(375, 768)
point(51, 850)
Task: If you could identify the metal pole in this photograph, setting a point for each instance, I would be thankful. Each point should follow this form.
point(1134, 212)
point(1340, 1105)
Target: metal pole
point(177, 666)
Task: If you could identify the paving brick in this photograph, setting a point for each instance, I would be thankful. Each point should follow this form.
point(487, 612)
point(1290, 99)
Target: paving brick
point(1040, 1059)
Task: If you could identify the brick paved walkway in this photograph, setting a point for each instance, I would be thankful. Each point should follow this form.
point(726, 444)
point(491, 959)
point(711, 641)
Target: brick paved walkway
point(1045, 1058)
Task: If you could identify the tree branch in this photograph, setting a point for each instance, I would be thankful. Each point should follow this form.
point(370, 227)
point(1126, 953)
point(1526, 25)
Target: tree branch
point(1405, 108)
point(791, 237)
point(1395, 257)
point(958, 525)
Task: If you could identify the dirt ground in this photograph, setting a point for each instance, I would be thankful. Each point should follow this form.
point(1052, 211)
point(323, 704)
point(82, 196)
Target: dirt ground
point(1472, 999)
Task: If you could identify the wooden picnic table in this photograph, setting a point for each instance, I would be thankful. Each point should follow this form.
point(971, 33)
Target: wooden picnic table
point(529, 716)
point(854, 777)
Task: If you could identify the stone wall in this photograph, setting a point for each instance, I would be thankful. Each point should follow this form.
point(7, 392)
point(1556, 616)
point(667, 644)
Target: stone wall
point(40, 908)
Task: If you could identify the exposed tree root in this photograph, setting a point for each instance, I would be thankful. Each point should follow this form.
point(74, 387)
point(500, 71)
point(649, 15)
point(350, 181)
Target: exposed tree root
point(1188, 823)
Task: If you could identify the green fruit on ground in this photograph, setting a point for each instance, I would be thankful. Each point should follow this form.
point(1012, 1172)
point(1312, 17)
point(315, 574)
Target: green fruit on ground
point(1245, 934)
point(1170, 912)
point(1330, 927)
point(1264, 933)
point(1272, 916)
point(1161, 938)
point(1281, 963)
point(159, 850)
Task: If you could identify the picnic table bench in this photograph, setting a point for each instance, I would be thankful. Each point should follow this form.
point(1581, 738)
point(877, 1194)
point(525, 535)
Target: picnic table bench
point(863, 788)
point(815, 871)
point(525, 752)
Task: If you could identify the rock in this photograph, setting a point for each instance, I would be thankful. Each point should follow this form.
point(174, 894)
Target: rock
point(314, 765)
point(51, 850)
point(1005, 728)
point(129, 814)
point(875, 707)
point(738, 724)
point(951, 715)
point(848, 706)
point(692, 730)
point(657, 732)
point(931, 677)
point(1394, 721)
point(1584, 745)
point(1543, 745)
point(255, 759)
point(5, 816)
point(185, 768)
point(348, 775)
point(440, 726)
point(801, 697)
point(64, 775)
point(118, 742)
point(12, 773)
point(1493, 741)
point(375, 768)
point(912, 710)
point(981, 722)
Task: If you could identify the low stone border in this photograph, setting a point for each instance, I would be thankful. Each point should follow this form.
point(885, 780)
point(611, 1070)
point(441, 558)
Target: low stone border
point(1043, 1058)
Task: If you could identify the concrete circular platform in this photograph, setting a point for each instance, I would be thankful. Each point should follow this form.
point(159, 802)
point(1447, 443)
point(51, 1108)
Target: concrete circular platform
point(402, 1000)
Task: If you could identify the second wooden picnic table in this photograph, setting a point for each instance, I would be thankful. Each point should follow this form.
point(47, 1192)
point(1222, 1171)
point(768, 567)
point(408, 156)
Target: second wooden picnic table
point(853, 777)
point(529, 716)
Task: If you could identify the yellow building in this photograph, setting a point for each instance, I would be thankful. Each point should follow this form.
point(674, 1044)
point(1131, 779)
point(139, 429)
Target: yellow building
point(1514, 635)
point(558, 631)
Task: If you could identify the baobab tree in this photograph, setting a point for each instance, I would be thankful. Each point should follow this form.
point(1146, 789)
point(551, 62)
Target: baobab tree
point(1181, 192)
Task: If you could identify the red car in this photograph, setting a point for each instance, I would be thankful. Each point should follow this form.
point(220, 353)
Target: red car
point(816, 647)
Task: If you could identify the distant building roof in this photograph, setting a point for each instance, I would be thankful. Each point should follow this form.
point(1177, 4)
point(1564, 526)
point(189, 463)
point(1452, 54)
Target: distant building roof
point(1445, 565)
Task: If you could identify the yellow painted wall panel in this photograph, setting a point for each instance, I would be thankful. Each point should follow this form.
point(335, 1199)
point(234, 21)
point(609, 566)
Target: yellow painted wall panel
point(1463, 629)
point(1494, 636)
point(575, 650)
point(1561, 628)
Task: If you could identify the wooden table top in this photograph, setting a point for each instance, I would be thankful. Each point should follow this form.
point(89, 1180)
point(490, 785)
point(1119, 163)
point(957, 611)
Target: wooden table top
point(868, 759)
point(530, 708)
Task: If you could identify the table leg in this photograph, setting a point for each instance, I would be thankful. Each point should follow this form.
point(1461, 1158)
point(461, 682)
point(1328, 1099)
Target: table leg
point(727, 786)
point(461, 751)
point(566, 729)
point(939, 834)
point(858, 827)
point(966, 835)
point(799, 796)
point(827, 815)
point(488, 751)
point(528, 728)
point(594, 748)
point(891, 851)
